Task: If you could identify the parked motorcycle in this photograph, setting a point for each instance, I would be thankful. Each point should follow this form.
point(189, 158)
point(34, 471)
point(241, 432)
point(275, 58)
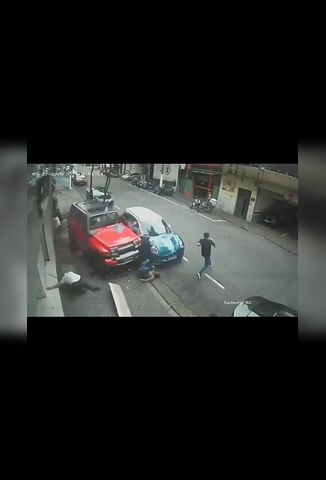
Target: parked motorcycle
point(141, 184)
point(136, 181)
point(145, 185)
point(207, 206)
point(164, 190)
point(149, 186)
point(195, 203)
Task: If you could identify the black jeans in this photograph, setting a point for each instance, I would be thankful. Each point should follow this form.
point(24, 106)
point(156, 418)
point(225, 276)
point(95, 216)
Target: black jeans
point(207, 265)
point(79, 287)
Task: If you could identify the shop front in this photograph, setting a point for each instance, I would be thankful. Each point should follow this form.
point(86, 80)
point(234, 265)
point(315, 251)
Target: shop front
point(205, 180)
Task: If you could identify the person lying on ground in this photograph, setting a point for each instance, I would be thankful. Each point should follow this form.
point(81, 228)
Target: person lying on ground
point(146, 272)
point(73, 282)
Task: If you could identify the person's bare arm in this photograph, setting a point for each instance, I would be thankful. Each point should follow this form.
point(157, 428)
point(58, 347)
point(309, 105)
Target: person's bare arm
point(57, 285)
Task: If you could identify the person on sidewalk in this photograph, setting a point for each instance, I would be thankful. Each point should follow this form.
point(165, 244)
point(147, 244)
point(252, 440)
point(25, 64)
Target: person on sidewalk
point(205, 244)
point(72, 282)
point(146, 272)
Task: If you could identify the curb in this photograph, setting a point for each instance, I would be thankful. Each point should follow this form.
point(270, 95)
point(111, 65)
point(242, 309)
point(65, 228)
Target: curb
point(172, 299)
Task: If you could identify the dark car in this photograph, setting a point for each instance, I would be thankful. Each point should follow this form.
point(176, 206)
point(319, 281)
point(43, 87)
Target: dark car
point(130, 176)
point(262, 307)
point(280, 218)
point(97, 229)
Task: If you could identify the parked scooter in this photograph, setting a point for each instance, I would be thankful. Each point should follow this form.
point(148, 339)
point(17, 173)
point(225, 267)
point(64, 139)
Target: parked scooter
point(211, 204)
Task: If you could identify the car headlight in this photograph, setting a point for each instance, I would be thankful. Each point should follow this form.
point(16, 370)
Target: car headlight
point(115, 252)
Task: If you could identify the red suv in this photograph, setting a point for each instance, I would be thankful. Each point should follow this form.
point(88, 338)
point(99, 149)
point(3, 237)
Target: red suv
point(98, 230)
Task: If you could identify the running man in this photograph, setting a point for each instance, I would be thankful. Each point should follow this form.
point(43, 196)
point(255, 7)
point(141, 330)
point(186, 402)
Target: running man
point(206, 244)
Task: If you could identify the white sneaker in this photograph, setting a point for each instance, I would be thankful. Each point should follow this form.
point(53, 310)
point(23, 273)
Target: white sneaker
point(198, 276)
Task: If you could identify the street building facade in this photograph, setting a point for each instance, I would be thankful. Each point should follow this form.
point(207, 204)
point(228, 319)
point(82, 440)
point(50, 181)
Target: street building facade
point(169, 171)
point(197, 180)
point(246, 191)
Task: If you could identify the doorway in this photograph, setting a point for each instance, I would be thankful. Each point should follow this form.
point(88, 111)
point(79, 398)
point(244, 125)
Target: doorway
point(241, 207)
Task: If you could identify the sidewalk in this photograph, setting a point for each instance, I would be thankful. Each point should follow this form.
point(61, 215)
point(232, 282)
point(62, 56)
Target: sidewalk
point(66, 198)
point(51, 304)
point(274, 236)
point(143, 299)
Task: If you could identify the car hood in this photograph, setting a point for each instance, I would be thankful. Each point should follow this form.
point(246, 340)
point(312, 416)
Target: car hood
point(167, 243)
point(114, 235)
point(261, 307)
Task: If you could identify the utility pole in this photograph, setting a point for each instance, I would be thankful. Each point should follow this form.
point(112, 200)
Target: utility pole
point(161, 178)
point(209, 178)
point(177, 177)
point(91, 184)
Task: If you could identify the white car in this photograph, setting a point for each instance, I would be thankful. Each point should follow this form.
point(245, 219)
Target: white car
point(130, 176)
point(166, 246)
point(80, 179)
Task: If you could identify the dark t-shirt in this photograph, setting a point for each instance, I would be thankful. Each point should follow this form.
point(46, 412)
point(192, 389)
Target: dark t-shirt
point(206, 244)
point(145, 248)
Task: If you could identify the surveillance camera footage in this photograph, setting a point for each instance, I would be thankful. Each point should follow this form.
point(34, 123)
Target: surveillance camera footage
point(162, 240)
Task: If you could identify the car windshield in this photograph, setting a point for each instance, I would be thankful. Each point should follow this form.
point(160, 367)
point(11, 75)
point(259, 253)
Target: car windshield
point(155, 227)
point(103, 220)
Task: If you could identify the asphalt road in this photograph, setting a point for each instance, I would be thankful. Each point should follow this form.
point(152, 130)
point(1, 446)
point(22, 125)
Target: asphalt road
point(244, 264)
